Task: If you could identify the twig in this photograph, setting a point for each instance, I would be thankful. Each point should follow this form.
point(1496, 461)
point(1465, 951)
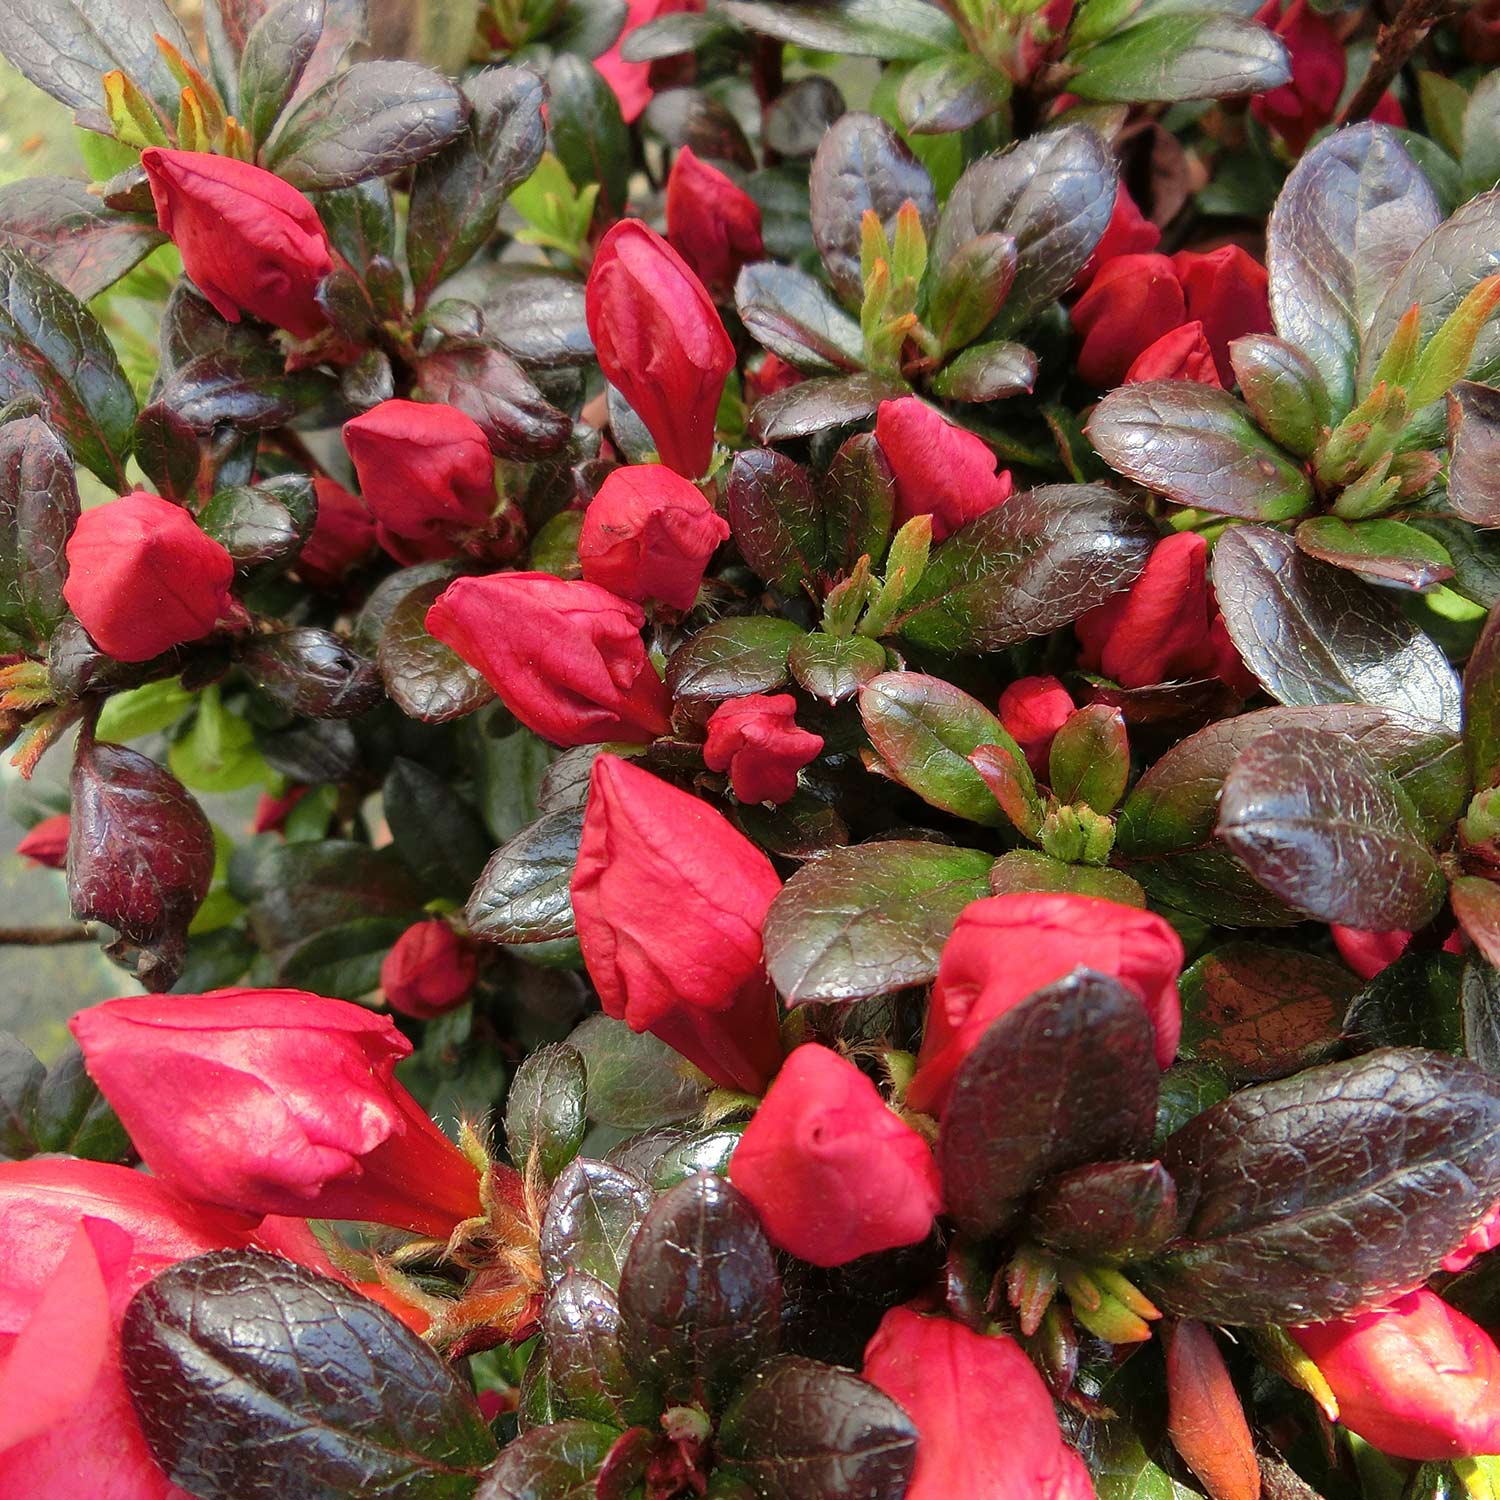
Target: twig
point(44, 937)
point(1393, 45)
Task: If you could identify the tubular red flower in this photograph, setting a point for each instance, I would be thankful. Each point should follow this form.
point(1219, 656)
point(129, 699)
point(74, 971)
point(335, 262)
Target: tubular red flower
point(47, 843)
point(669, 901)
point(1004, 948)
point(648, 534)
point(659, 342)
point(566, 657)
point(941, 470)
point(250, 242)
point(425, 473)
point(985, 1421)
point(831, 1171)
point(142, 577)
point(1132, 302)
point(430, 970)
point(1033, 709)
point(756, 739)
point(279, 1102)
point(1417, 1379)
point(712, 222)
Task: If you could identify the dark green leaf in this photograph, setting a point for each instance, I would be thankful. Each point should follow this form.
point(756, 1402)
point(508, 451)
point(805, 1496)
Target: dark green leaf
point(82, 245)
point(427, 680)
point(1329, 1191)
point(1031, 870)
point(1283, 389)
point(1185, 55)
point(592, 1218)
point(891, 29)
point(486, 384)
point(361, 222)
point(557, 1462)
point(588, 135)
point(456, 196)
point(1259, 1012)
point(869, 919)
point(586, 1374)
point(1115, 1210)
point(800, 1430)
point(792, 315)
point(700, 1298)
point(1090, 758)
point(816, 405)
point(1198, 446)
point(970, 288)
point(1071, 1072)
point(369, 121)
point(277, 51)
point(1474, 453)
point(862, 165)
point(342, 961)
point(834, 668)
point(545, 1111)
point(1385, 550)
point(537, 316)
point(925, 729)
point(775, 518)
point(635, 1082)
point(21, 1079)
point(858, 495)
point(1053, 195)
point(671, 35)
point(944, 94)
point(732, 657)
point(53, 347)
point(1311, 633)
point(38, 510)
point(695, 118)
point(1413, 1002)
point(1481, 709)
point(435, 831)
point(312, 672)
point(1351, 213)
point(252, 1376)
point(72, 1118)
point(1479, 999)
point(987, 372)
point(1026, 568)
point(523, 894)
point(260, 523)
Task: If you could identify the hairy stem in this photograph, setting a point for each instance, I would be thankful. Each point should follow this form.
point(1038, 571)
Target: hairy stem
point(1394, 43)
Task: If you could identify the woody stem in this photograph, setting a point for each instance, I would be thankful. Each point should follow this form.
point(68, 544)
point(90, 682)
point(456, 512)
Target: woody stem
point(1393, 45)
point(44, 937)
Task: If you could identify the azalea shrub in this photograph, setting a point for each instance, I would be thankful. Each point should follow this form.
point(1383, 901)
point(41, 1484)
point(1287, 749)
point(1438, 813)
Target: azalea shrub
point(786, 717)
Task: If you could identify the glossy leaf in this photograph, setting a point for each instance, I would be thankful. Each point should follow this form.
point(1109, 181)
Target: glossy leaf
point(312, 672)
point(586, 1373)
point(261, 523)
point(1476, 904)
point(1413, 1002)
point(277, 51)
point(587, 134)
point(1110, 1211)
point(1328, 1191)
point(592, 1218)
point(1312, 634)
point(1283, 389)
point(560, 1461)
point(889, 29)
point(775, 518)
point(435, 831)
point(834, 668)
point(944, 94)
point(1026, 568)
point(38, 509)
point(987, 372)
point(1474, 453)
point(523, 893)
point(1090, 758)
point(791, 314)
point(426, 679)
point(817, 405)
point(1183, 55)
point(870, 919)
point(1384, 550)
point(253, 1376)
point(82, 245)
point(1071, 1071)
point(732, 657)
point(546, 1110)
point(485, 383)
point(970, 288)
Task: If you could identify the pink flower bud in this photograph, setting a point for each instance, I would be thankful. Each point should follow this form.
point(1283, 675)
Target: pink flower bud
point(430, 970)
point(941, 470)
point(659, 342)
point(250, 242)
point(566, 657)
point(142, 577)
point(757, 741)
point(279, 1102)
point(831, 1171)
point(670, 900)
point(1033, 709)
point(648, 534)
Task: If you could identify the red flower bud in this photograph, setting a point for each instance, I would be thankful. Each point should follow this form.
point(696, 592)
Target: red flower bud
point(1033, 709)
point(831, 1171)
point(343, 536)
point(1481, 1239)
point(1306, 102)
point(1227, 291)
point(250, 242)
point(630, 81)
point(712, 222)
point(47, 843)
point(142, 577)
point(670, 900)
point(659, 342)
point(1132, 302)
point(1417, 1379)
point(1129, 232)
point(648, 534)
point(1004, 948)
point(772, 374)
point(425, 471)
point(941, 470)
point(271, 812)
point(279, 1102)
point(757, 741)
point(985, 1422)
point(566, 657)
point(429, 971)
point(1367, 953)
point(1182, 354)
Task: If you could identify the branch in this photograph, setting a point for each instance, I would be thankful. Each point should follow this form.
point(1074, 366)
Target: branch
point(1393, 45)
point(45, 937)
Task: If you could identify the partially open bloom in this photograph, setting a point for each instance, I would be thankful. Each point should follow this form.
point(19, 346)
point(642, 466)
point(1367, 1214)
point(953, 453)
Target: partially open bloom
point(1004, 948)
point(1227, 291)
point(630, 81)
point(425, 473)
point(1165, 626)
point(430, 970)
point(565, 656)
point(831, 1171)
point(712, 222)
point(279, 1102)
point(670, 900)
point(1417, 1379)
point(985, 1421)
point(143, 577)
point(659, 342)
point(648, 534)
point(1033, 709)
point(47, 843)
point(756, 739)
point(250, 242)
point(941, 470)
point(343, 535)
